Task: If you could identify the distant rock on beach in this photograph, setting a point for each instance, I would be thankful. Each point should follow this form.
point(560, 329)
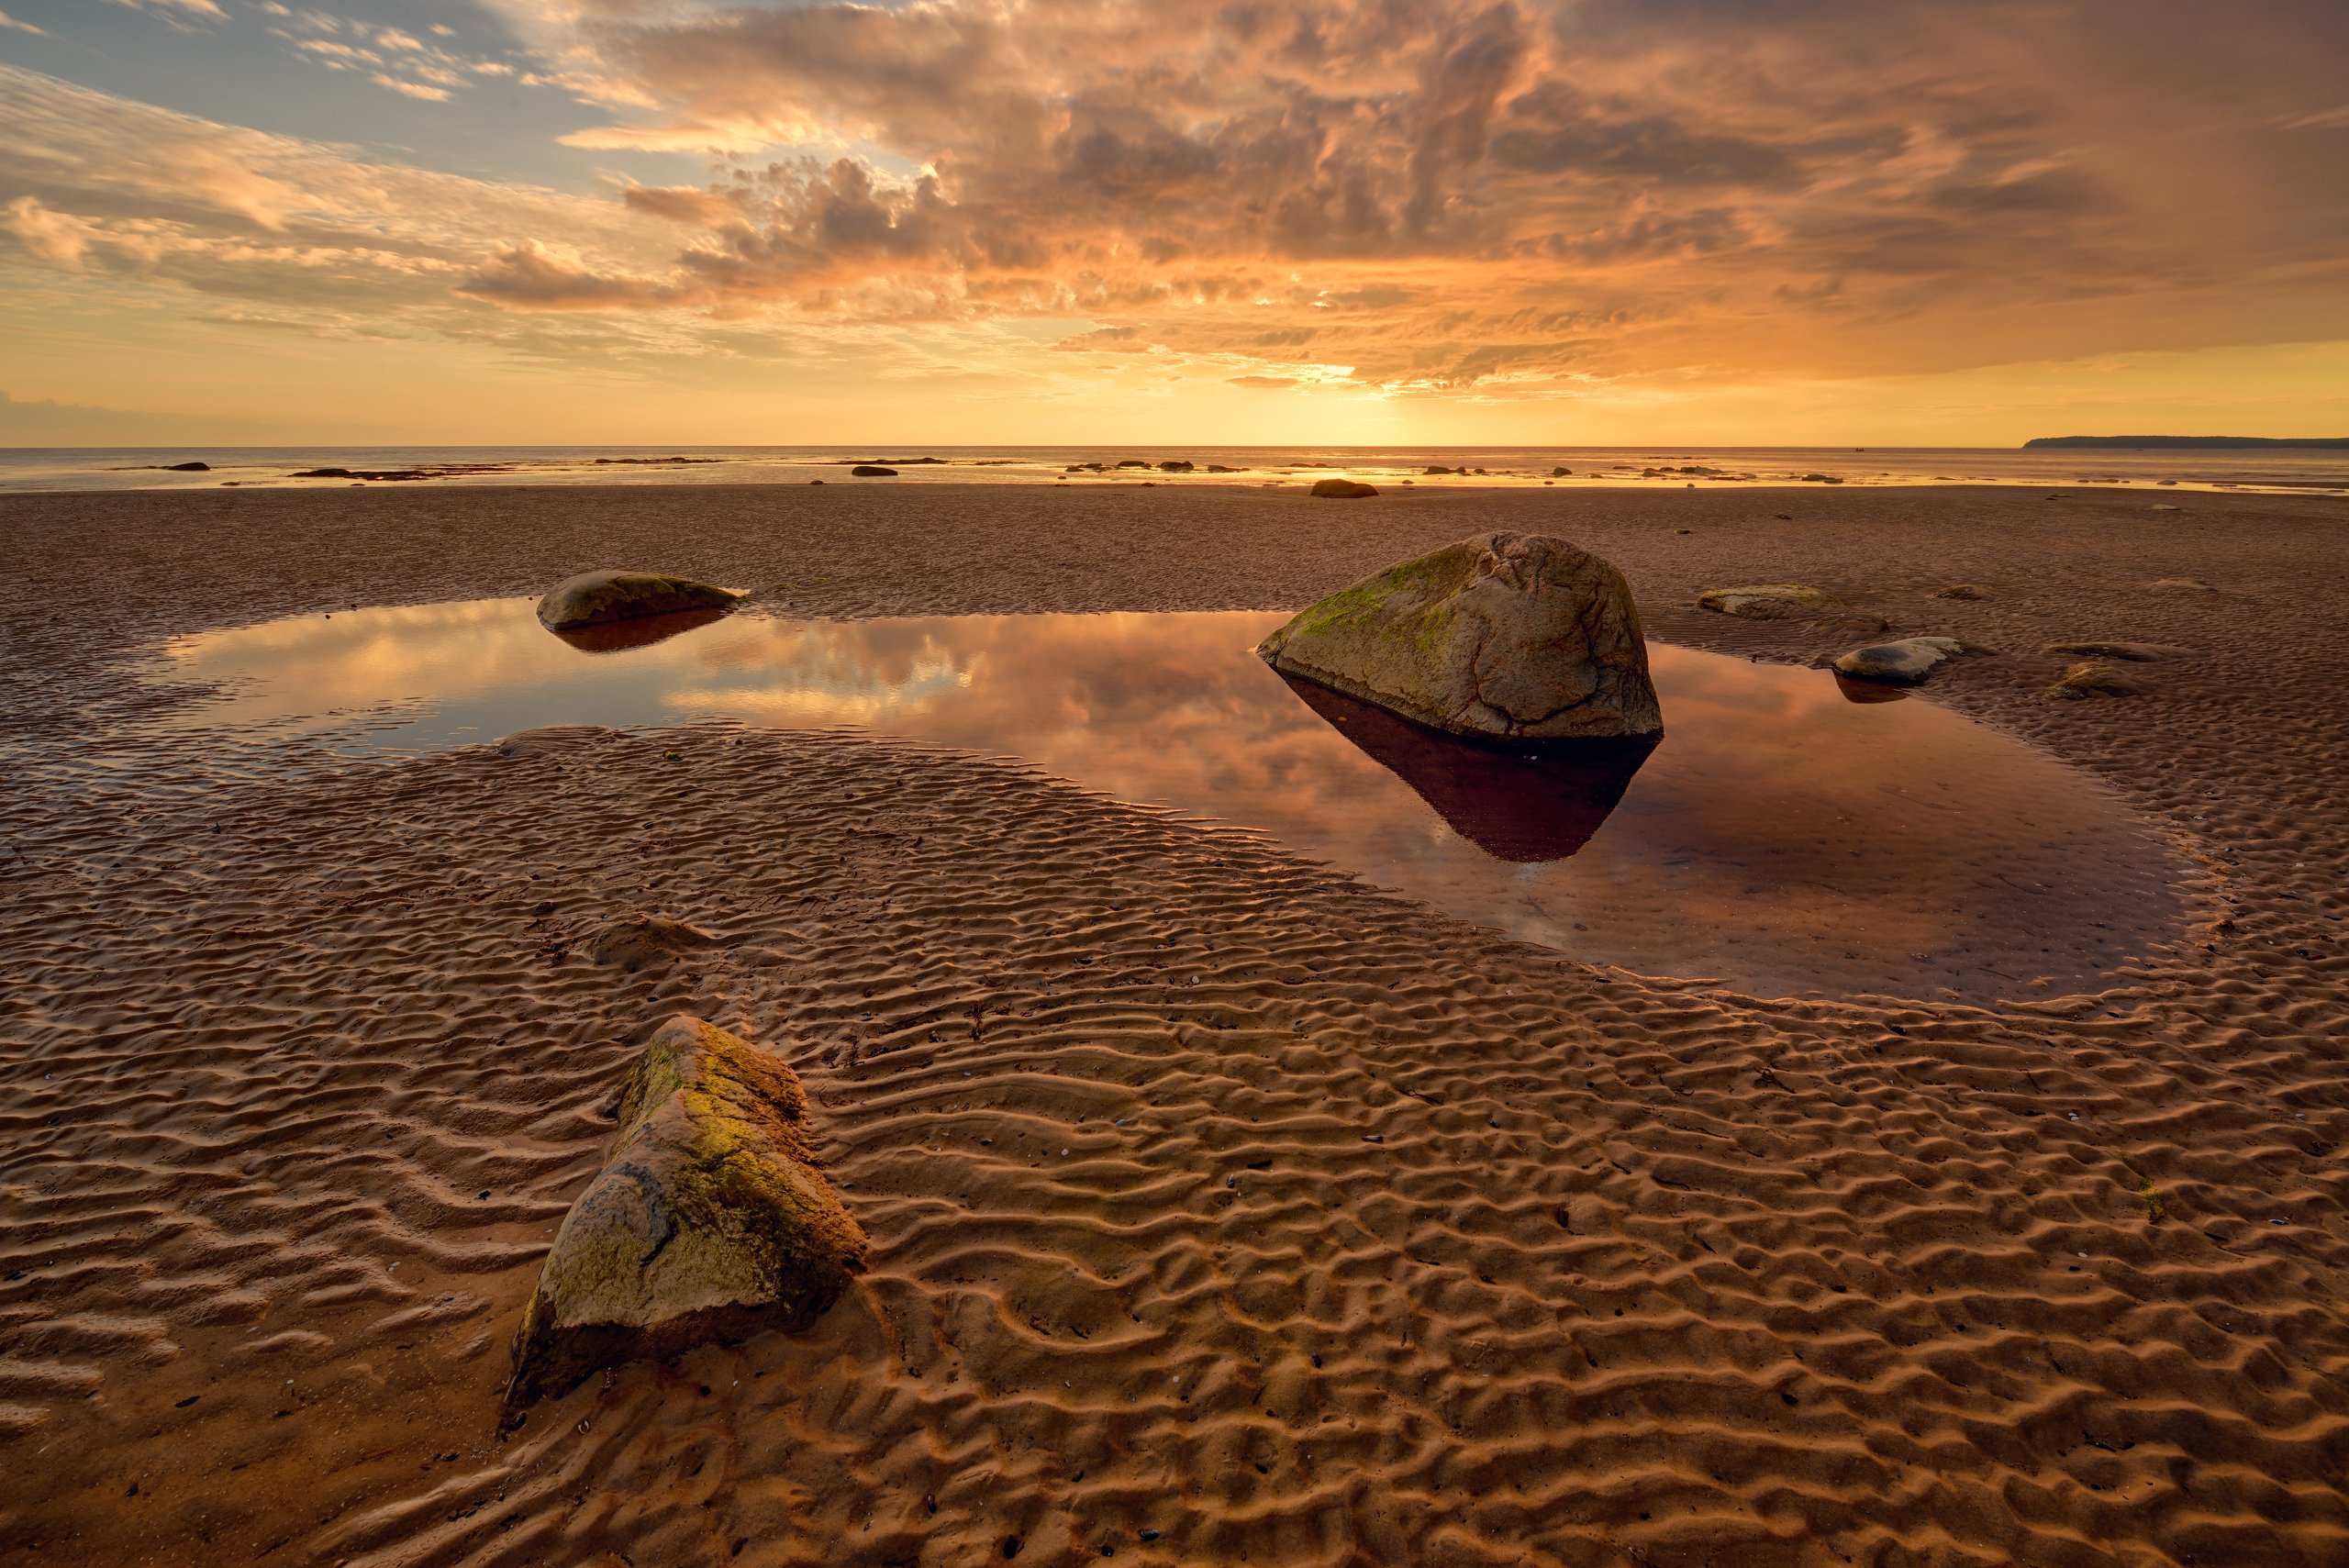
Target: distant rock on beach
point(1769, 601)
point(597, 598)
point(1343, 489)
point(872, 471)
point(1903, 664)
point(2096, 678)
point(1511, 638)
point(709, 1221)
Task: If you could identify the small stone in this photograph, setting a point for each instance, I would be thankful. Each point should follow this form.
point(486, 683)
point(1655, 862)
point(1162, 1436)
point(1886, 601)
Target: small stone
point(2131, 653)
point(1768, 601)
point(2095, 678)
point(1903, 664)
point(634, 941)
point(1963, 591)
point(2183, 584)
point(1342, 489)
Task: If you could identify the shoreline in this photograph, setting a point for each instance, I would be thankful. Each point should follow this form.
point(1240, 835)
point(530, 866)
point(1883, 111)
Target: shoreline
point(1832, 1278)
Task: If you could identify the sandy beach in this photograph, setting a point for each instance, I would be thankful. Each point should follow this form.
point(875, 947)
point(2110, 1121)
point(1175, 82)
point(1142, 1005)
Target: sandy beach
point(1223, 1209)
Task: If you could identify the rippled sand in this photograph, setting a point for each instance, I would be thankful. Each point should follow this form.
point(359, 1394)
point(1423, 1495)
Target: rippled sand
point(1223, 1209)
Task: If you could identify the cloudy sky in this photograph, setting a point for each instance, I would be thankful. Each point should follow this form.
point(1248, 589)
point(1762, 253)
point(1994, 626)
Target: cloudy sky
point(1768, 221)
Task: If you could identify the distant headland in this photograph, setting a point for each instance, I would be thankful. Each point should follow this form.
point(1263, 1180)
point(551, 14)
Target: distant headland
point(2204, 441)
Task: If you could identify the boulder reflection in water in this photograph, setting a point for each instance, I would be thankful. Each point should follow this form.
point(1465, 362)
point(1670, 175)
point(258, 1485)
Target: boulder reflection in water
point(1512, 806)
point(619, 635)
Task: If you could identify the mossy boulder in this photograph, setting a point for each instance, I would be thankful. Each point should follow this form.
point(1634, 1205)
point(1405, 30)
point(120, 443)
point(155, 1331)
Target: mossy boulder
point(599, 598)
point(709, 1222)
point(1506, 637)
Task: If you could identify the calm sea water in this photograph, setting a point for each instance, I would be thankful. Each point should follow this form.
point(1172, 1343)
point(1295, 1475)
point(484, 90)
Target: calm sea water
point(87, 468)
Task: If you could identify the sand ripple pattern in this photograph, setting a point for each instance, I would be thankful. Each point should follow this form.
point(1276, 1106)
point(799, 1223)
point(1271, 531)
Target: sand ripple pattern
point(1224, 1210)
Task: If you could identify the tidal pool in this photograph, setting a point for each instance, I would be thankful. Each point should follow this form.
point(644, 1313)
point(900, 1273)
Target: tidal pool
point(1781, 838)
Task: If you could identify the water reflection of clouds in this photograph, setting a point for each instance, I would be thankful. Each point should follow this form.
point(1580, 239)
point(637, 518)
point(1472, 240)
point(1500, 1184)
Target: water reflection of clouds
point(1780, 838)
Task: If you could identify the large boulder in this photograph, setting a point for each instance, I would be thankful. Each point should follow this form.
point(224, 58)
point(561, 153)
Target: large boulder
point(1507, 637)
point(597, 598)
point(1343, 489)
point(709, 1221)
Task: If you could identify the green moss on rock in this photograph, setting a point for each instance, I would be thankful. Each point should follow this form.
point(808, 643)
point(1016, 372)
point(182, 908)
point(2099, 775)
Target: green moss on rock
point(1511, 638)
point(711, 1219)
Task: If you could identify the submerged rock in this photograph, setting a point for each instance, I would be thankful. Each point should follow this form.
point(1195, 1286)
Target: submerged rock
point(1903, 664)
point(710, 1221)
point(550, 738)
point(1343, 489)
point(187, 468)
point(2095, 678)
point(634, 941)
point(1769, 601)
point(597, 598)
point(1504, 636)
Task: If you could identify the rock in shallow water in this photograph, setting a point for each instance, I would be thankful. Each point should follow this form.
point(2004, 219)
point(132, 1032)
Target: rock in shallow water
point(1507, 637)
point(709, 1222)
point(1903, 664)
point(598, 599)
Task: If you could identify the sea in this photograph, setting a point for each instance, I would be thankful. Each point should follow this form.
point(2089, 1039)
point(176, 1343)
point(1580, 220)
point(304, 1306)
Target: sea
point(2280, 470)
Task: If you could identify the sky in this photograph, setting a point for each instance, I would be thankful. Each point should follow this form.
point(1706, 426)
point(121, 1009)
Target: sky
point(1376, 222)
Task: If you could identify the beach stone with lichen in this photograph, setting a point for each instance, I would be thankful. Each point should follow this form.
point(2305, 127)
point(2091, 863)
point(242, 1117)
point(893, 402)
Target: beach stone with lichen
point(599, 598)
point(1770, 601)
point(1507, 637)
point(710, 1221)
point(1903, 664)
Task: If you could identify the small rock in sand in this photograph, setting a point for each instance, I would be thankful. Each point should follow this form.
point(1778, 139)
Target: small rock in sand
point(598, 599)
point(2183, 584)
point(1342, 489)
point(1769, 601)
point(710, 1220)
point(1963, 591)
point(1903, 664)
point(634, 941)
point(2095, 678)
point(2133, 652)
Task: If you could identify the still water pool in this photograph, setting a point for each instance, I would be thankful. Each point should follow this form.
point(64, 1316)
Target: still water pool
point(1781, 839)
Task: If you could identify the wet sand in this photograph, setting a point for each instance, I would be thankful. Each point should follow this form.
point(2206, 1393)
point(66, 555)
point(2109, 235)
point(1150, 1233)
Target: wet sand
point(1224, 1209)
